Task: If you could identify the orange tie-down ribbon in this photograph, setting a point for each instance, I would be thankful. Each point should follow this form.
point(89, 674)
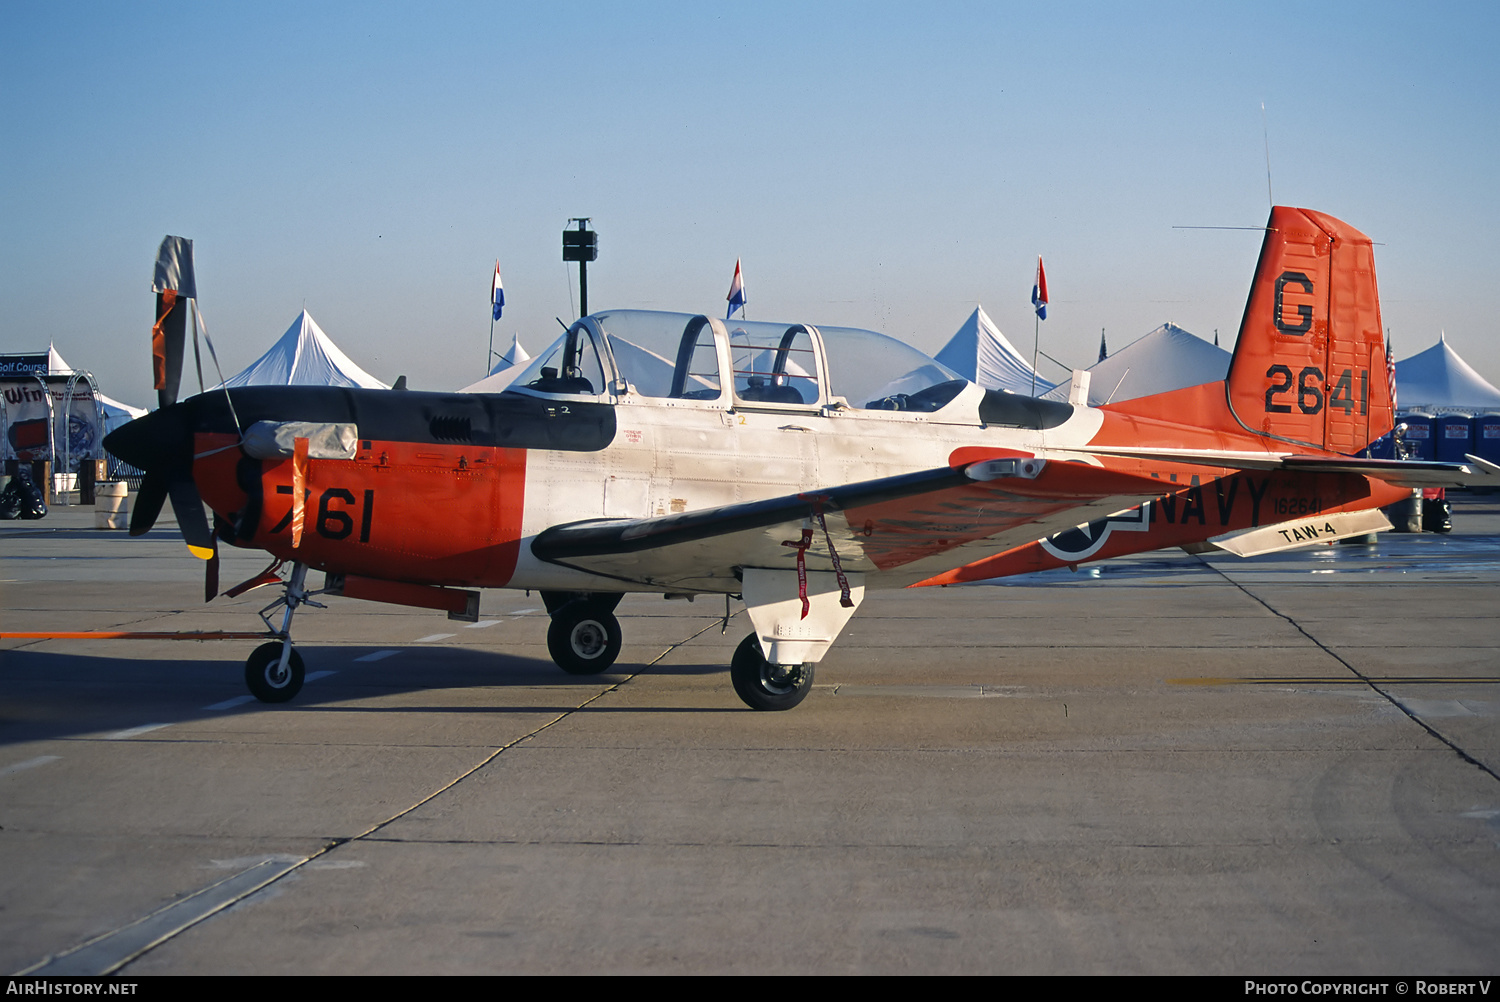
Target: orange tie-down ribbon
point(299, 490)
point(801, 547)
point(159, 342)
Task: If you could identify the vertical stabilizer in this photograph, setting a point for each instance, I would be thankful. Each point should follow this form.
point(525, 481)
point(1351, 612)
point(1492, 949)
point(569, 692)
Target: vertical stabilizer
point(1309, 367)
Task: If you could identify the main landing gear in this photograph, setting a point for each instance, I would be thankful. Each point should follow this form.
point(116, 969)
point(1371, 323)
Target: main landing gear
point(274, 671)
point(585, 636)
point(584, 639)
point(766, 686)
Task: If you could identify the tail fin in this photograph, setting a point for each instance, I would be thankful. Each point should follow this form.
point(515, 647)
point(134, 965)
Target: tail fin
point(1310, 365)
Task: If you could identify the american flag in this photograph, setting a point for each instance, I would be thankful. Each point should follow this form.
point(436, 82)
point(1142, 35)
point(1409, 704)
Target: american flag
point(1390, 373)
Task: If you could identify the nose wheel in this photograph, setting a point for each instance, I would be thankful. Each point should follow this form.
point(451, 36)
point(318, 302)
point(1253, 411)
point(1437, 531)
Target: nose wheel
point(269, 680)
point(766, 686)
point(584, 638)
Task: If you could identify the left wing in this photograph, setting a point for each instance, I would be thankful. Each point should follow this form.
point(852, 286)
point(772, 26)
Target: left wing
point(906, 528)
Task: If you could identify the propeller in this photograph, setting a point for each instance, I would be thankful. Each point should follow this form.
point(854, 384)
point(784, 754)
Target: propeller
point(161, 445)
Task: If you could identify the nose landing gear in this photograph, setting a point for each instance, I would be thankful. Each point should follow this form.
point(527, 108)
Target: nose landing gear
point(274, 671)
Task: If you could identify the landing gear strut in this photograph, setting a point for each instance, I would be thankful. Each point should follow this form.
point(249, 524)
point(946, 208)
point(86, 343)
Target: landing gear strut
point(764, 686)
point(274, 672)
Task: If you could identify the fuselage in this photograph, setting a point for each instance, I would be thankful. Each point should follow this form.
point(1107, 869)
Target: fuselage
point(637, 415)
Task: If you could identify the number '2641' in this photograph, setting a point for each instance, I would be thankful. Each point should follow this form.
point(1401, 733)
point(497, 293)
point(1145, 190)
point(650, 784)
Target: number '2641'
point(1308, 386)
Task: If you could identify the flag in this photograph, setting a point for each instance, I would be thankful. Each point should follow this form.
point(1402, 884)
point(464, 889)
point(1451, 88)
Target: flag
point(1039, 290)
point(736, 297)
point(1390, 373)
point(497, 294)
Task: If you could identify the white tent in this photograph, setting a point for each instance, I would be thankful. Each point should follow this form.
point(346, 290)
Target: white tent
point(304, 356)
point(513, 356)
point(1439, 381)
point(1168, 358)
point(506, 369)
point(980, 352)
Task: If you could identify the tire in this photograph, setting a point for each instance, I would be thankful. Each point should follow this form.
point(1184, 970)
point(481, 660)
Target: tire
point(764, 686)
point(584, 638)
point(260, 674)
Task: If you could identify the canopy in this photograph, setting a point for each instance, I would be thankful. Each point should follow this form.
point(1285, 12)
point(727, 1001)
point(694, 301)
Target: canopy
point(1438, 380)
point(981, 353)
point(305, 356)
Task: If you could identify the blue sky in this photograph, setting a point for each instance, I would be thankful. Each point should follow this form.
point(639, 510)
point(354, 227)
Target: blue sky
point(873, 165)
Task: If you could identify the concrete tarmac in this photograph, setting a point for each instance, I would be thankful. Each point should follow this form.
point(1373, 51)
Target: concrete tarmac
point(1172, 764)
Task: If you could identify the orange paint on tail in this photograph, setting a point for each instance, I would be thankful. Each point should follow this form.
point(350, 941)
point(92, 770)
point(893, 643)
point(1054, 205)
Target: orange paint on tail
point(1309, 366)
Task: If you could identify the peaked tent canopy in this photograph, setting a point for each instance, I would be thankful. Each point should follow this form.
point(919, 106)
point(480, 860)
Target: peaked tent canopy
point(506, 369)
point(514, 355)
point(304, 356)
point(1168, 358)
point(1438, 380)
point(980, 352)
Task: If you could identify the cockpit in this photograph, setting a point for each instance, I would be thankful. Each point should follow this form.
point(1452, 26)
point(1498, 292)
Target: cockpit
point(676, 358)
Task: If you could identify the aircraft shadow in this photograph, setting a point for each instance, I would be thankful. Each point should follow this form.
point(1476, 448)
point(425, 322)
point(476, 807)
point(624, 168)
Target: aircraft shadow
point(51, 696)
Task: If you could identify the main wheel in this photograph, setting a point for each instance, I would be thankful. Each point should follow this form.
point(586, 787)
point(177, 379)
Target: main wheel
point(764, 686)
point(263, 674)
point(584, 638)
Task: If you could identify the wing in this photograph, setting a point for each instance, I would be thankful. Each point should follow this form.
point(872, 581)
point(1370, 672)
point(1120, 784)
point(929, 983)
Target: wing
point(903, 528)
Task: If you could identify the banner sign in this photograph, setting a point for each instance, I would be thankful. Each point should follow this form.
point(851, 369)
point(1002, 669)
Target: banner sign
point(28, 422)
point(20, 365)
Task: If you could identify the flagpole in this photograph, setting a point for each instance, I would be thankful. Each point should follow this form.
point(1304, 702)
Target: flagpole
point(491, 356)
point(1036, 344)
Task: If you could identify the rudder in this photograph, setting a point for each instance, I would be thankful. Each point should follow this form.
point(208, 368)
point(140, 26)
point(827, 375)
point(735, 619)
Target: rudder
point(1309, 367)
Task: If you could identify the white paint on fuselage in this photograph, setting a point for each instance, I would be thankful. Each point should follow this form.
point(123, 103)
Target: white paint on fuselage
point(672, 456)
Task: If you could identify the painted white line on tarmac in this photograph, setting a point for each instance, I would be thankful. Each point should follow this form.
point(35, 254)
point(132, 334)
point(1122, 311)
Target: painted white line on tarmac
point(131, 732)
point(313, 676)
point(230, 704)
point(378, 656)
point(524, 612)
point(114, 950)
point(30, 763)
point(435, 636)
point(481, 624)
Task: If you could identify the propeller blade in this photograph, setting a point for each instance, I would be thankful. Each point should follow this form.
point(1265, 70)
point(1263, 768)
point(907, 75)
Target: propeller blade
point(211, 575)
point(191, 518)
point(148, 502)
point(174, 284)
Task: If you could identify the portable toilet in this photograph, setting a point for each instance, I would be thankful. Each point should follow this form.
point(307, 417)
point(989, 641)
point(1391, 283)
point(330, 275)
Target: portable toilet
point(1453, 437)
point(1487, 437)
point(1383, 447)
point(1418, 437)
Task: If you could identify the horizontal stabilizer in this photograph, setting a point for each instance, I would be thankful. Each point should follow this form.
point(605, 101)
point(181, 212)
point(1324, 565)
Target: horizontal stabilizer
point(1398, 472)
point(1302, 532)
